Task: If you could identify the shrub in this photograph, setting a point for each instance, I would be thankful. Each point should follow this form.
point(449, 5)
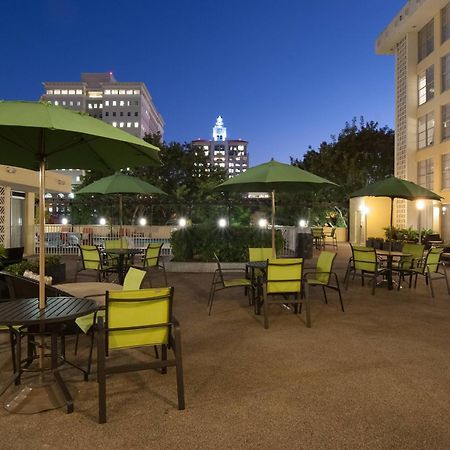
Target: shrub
point(33, 265)
point(200, 242)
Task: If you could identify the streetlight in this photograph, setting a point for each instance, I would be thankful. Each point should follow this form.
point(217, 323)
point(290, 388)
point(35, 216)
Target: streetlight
point(262, 223)
point(420, 205)
point(142, 221)
point(64, 220)
point(182, 222)
point(302, 223)
point(102, 221)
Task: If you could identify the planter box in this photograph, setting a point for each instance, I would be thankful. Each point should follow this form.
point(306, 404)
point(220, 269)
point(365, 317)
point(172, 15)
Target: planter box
point(57, 272)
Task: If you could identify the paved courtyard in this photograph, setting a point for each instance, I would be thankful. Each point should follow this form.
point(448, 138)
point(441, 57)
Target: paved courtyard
point(376, 377)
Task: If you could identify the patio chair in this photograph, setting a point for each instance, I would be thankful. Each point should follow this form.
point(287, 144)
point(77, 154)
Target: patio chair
point(364, 259)
point(114, 244)
point(258, 254)
point(323, 275)
point(318, 237)
point(133, 281)
point(136, 319)
point(330, 235)
point(91, 259)
point(407, 263)
point(284, 286)
point(153, 259)
point(432, 268)
point(220, 282)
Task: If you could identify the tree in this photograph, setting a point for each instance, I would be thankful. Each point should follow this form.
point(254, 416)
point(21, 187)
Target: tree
point(361, 154)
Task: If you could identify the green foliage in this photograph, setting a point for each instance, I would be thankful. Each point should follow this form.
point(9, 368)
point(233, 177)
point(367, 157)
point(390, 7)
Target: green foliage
point(2, 251)
point(32, 265)
point(402, 234)
point(200, 242)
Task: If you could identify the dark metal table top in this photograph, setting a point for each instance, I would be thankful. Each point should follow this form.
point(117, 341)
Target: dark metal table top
point(123, 251)
point(59, 309)
point(257, 264)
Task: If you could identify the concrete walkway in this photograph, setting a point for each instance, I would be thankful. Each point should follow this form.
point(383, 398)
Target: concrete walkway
point(375, 377)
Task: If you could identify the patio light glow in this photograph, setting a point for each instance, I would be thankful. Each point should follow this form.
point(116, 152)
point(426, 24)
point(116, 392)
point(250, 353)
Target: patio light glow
point(102, 221)
point(302, 223)
point(182, 222)
point(222, 222)
point(420, 204)
point(262, 223)
point(364, 210)
point(65, 221)
point(143, 221)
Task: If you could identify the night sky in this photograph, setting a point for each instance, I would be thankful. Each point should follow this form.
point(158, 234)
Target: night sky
point(284, 75)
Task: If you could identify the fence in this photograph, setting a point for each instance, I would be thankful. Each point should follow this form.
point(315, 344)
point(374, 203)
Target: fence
point(64, 239)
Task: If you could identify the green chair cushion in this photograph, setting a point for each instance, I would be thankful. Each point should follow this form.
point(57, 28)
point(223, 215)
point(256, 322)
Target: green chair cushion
point(237, 282)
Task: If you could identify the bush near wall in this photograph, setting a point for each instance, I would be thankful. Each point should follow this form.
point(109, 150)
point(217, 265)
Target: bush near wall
point(200, 242)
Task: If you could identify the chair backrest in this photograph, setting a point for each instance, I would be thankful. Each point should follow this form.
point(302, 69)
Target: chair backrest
point(317, 232)
point(259, 253)
point(90, 257)
point(364, 258)
point(433, 257)
point(333, 232)
point(416, 252)
point(284, 275)
point(152, 255)
point(139, 317)
point(112, 244)
point(133, 279)
point(219, 269)
point(324, 266)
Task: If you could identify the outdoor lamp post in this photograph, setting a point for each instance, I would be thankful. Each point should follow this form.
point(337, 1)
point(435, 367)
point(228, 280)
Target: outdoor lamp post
point(102, 221)
point(222, 222)
point(262, 223)
point(420, 205)
point(182, 222)
point(64, 221)
point(302, 223)
point(142, 221)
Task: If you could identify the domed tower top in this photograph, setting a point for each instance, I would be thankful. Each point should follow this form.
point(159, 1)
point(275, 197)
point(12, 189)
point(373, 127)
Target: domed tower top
point(219, 131)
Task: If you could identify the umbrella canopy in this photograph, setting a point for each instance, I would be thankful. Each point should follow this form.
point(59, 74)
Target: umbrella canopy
point(120, 183)
point(270, 177)
point(396, 188)
point(40, 136)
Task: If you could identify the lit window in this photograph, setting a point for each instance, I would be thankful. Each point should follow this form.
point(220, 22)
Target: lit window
point(129, 91)
point(64, 92)
point(71, 103)
point(89, 105)
point(136, 92)
point(114, 92)
point(122, 103)
point(50, 91)
point(136, 124)
point(95, 106)
point(107, 91)
point(78, 103)
point(114, 103)
point(57, 91)
point(122, 92)
point(240, 147)
point(79, 91)
point(71, 91)
point(128, 124)
point(128, 103)
point(56, 103)
point(114, 124)
point(78, 178)
point(121, 124)
point(100, 105)
point(63, 103)
point(107, 103)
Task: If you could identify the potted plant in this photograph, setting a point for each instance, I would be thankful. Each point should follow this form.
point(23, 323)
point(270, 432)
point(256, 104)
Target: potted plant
point(53, 268)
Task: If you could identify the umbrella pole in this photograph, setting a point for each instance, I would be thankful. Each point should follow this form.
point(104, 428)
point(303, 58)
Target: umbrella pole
point(274, 252)
point(42, 235)
point(391, 220)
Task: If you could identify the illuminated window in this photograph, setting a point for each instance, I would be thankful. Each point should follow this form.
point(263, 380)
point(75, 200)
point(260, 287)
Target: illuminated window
point(128, 103)
point(56, 103)
point(79, 91)
point(95, 106)
point(57, 91)
point(129, 91)
point(114, 92)
point(136, 92)
point(50, 91)
point(241, 147)
point(64, 92)
point(114, 124)
point(136, 124)
point(71, 103)
point(122, 103)
point(121, 124)
point(63, 103)
point(122, 92)
point(78, 103)
point(107, 91)
point(89, 105)
point(426, 40)
point(128, 124)
point(114, 103)
point(71, 91)
point(100, 105)
point(106, 102)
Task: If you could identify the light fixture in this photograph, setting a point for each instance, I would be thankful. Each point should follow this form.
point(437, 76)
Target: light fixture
point(302, 223)
point(143, 221)
point(364, 210)
point(222, 222)
point(102, 221)
point(262, 223)
point(420, 204)
point(182, 222)
point(64, 220)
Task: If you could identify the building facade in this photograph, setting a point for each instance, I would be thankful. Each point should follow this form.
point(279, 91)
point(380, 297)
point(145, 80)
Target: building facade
point(229, 154)
point(126, 105)
point(419, 39)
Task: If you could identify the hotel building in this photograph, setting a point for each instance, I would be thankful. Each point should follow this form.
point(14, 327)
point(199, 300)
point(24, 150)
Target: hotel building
point(229, 154)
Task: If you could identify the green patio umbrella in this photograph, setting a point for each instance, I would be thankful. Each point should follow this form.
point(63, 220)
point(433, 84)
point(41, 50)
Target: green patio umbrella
point(120, 183)
point(273, 176)
point(395, 188)
point(41, 136)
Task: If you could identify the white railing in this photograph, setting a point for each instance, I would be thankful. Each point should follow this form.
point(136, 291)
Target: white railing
point(64, 239)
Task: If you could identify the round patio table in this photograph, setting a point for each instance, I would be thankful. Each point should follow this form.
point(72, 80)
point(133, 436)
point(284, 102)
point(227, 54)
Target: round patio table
point(26, 312)
point(390, 255)
point(121, 253)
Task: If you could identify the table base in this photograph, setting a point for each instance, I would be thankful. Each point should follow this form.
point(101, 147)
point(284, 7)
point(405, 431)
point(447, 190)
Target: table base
point(36, 397)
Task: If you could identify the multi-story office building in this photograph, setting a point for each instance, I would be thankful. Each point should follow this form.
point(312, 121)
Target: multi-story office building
point(419, 38)
point(229, 154)
point(126, 105)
